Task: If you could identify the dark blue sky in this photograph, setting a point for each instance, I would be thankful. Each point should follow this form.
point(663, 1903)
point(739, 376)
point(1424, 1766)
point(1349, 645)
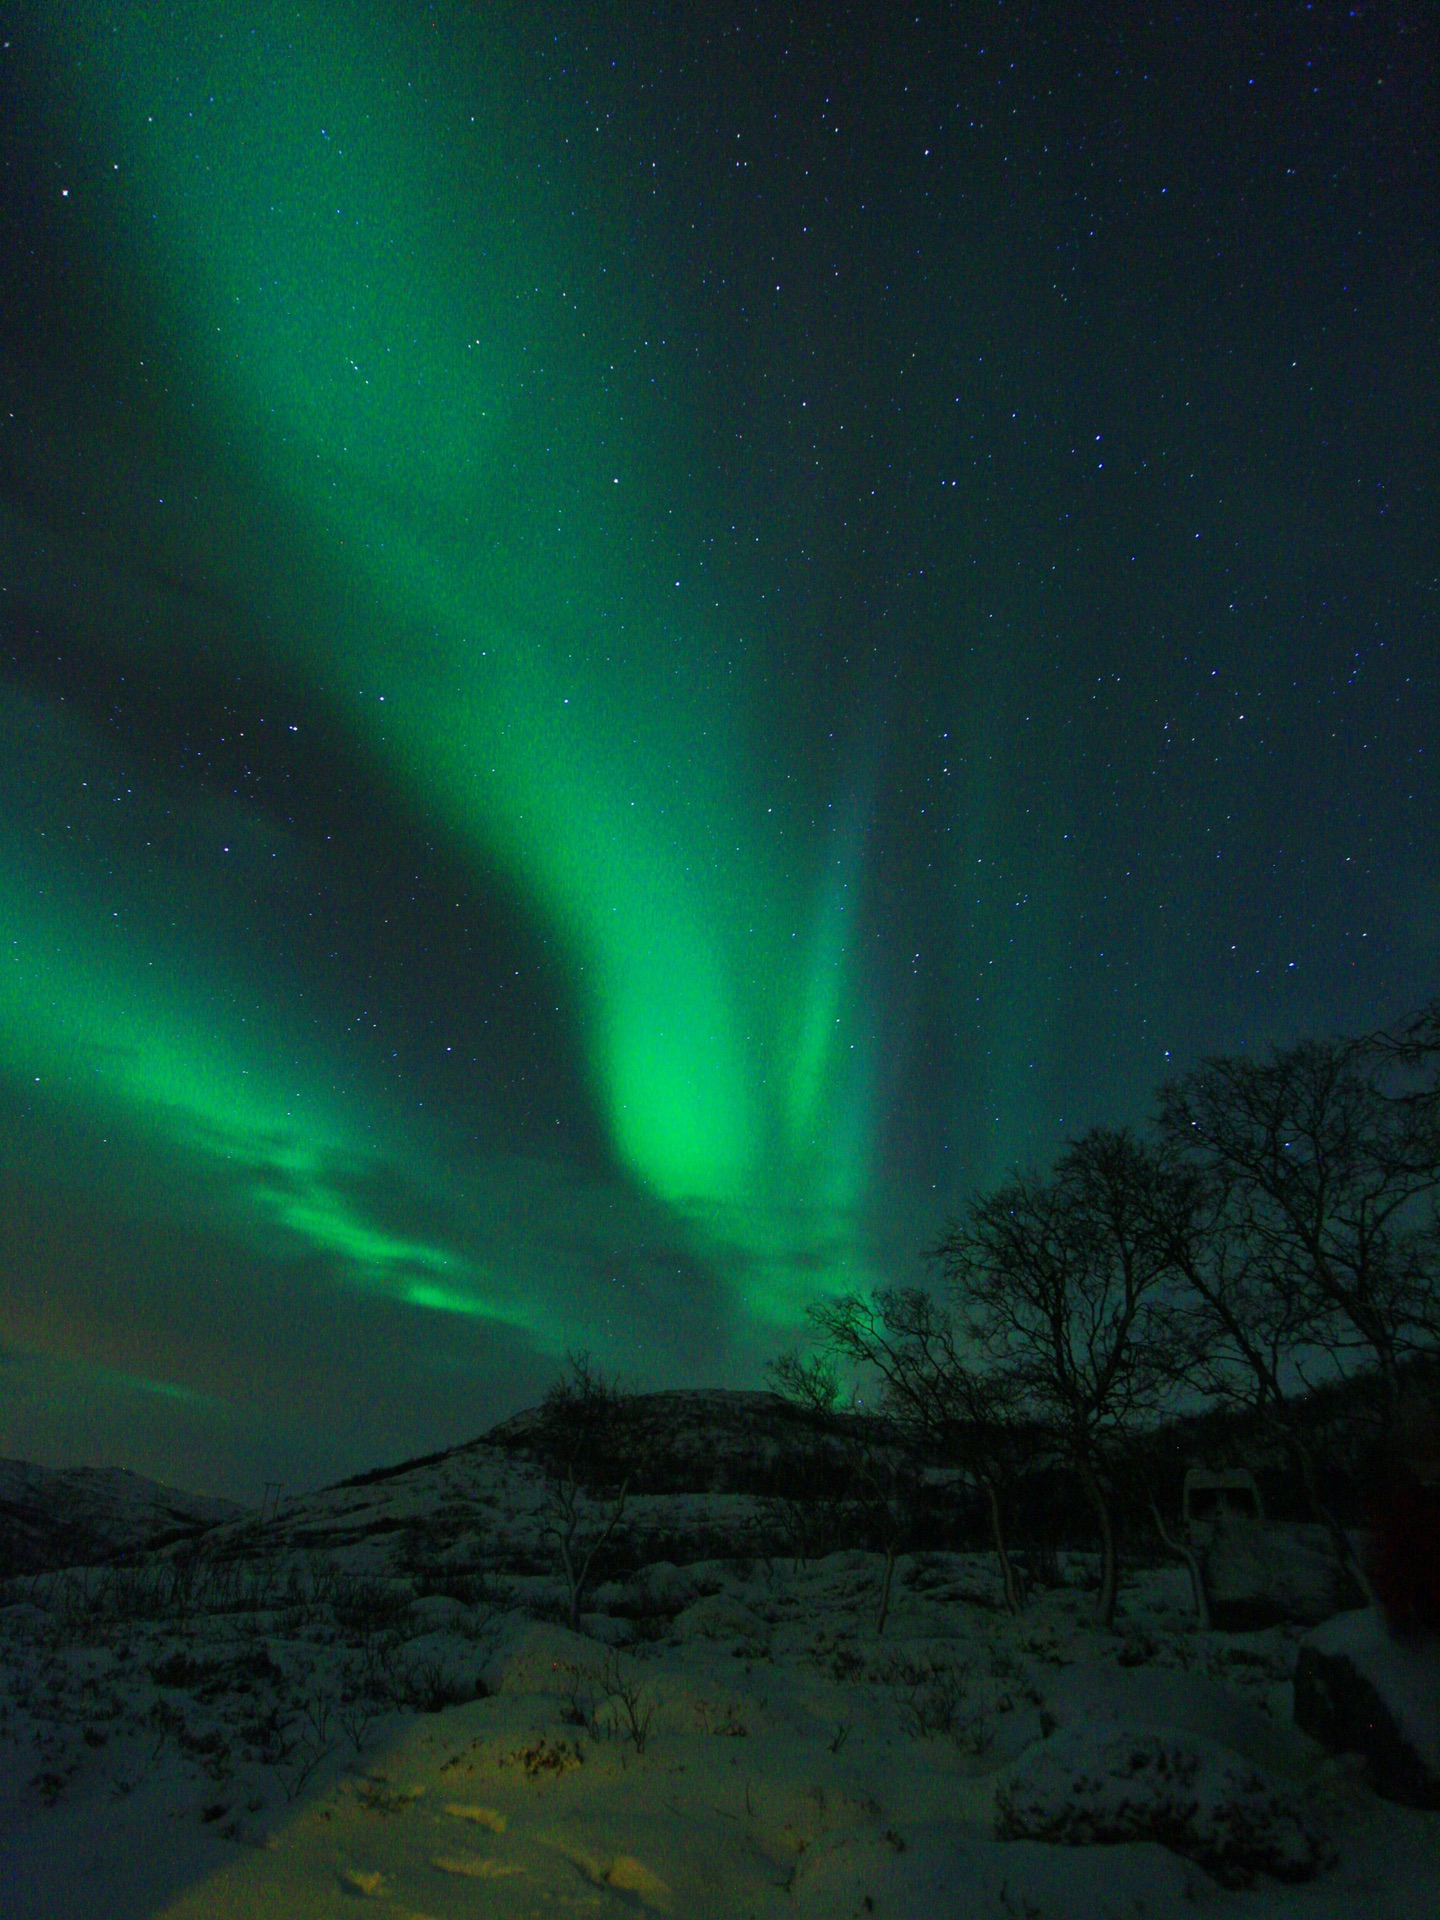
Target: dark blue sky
point(634, 656)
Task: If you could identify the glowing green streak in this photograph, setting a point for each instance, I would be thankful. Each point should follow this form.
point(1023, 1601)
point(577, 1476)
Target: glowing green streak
point(337, 1229)
point(448, 1300)
point(89, 1009)
point(95, 1374)
point(334, 272)
point(666, 1014)
point(379, 297)
point(820, 1071)
point(384, 1262)
point(156, 1389)
point(102, 1026)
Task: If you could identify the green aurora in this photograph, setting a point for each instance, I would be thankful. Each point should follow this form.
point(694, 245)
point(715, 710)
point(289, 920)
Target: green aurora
point(374, 297)
point(838, 801)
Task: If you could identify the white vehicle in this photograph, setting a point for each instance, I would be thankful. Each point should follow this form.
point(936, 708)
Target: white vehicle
point(1208, 1496)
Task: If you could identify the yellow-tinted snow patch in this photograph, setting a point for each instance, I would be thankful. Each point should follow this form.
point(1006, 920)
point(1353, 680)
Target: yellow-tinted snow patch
point(365, 1886)
point(473, 1866)
point(628, 1875)
point(623, 1874)
point(489, 1817)
point(377, 1795)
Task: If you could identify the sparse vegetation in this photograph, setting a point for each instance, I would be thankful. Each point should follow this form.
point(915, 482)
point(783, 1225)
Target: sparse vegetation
point(1137, 1309)
point(632, 1704)
point(1262, 1258)
point(588, 1452)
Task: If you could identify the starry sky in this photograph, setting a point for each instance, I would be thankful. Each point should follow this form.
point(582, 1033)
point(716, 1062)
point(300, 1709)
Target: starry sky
point(639, 644)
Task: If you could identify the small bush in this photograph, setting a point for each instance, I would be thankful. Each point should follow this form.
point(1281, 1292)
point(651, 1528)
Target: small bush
point(429, 1686)
point(364, 1606)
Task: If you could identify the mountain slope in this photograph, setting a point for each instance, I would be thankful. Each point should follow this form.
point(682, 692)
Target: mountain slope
point(84, 1516)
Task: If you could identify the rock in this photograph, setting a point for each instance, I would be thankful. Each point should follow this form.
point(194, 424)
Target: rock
point(1259, 1573)
point(1359, 1688)
point(1086, 1694)
point(663, 1588)
point(609, 1631)
point(438, 1613)
point(539, 1658)
point(946, 1873)
point(1106, 1784)
point(1405, 1558)
point(721, 1618)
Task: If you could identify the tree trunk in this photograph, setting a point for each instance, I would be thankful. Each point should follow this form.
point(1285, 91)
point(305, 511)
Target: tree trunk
point(1339, 1539)
point(885, 1580)
point(566, 1495)
point(1197, 1584)
point(565, 1498)
point(1109, 1574)
point(1013, 1601)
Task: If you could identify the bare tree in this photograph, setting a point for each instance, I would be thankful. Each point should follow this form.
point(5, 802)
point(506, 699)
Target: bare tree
point(1405, 1062)
point(1325, 1180)
point(1411, 1045)
point(1242, 1332)
point(948, 1411)
point(884, 1481)
point(1061, 1283)
point(1301, 1213)
point(589, 1457)
point(807, 1380)
point(812, 1508)
point(888, 1490)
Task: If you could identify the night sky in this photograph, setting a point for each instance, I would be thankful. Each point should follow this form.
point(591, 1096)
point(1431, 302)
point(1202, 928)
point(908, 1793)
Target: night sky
point(638, 645)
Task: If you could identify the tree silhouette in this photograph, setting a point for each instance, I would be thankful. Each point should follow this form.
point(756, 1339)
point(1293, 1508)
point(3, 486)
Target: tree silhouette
point(1061, 1286)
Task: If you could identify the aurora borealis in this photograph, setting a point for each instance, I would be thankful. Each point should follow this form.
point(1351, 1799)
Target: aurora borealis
point(640, 644)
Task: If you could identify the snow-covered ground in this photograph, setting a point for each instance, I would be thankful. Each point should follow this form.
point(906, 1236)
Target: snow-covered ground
point(338, 1709)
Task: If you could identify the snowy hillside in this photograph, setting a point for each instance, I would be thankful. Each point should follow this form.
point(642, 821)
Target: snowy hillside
point(373, 1698)
point(51, 1518)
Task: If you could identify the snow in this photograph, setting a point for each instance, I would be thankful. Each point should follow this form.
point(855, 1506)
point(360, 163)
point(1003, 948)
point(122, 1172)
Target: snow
point(1405, 1675)
point(349, 1707)
point(1109, 1782)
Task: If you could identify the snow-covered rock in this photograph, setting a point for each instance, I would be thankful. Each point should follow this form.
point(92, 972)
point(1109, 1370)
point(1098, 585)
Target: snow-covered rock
point(721, 1618)
point(664, 1588)
point(1103, 1784)
point(1087, 1694)
point(944, 1872)
point(437, 1613)
point(1257, 1571)
point(605, 1628)
point(1359, 1688)
point(543, 1659)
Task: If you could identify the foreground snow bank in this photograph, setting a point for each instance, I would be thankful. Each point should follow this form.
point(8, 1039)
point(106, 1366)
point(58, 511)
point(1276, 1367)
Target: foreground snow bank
point(1102, 1784)
point(754, 1750)
point(1360, 1688)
